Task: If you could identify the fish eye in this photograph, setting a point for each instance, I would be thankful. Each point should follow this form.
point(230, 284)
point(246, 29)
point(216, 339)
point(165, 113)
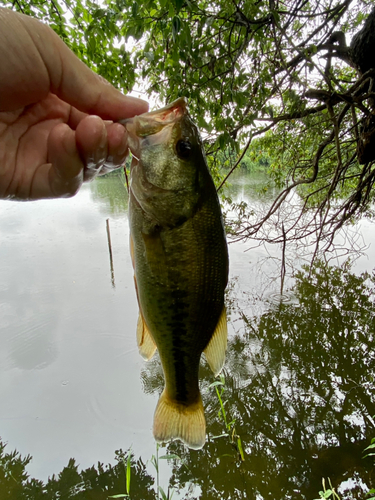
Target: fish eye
point(184, 149)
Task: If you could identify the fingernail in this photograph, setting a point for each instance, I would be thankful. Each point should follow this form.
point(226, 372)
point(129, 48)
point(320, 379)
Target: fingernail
point(70, 144)
point(97, 159)
point(103, 138)
point(123, 147)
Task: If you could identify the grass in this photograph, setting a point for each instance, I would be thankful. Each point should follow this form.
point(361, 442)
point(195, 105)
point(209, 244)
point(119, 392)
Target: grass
point(127, 466)
point(330, 493)
point(229, 424)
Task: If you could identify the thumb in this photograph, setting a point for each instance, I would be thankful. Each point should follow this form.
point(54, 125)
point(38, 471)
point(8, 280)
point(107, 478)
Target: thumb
point(91, 93)
point(73, 82)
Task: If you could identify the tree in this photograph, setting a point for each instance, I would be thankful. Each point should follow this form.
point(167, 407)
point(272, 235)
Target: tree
point(280, 71)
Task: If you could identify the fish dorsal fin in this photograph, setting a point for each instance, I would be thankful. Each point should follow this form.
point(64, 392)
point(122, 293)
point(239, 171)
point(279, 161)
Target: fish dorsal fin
point(215, 350)
point(145, 341)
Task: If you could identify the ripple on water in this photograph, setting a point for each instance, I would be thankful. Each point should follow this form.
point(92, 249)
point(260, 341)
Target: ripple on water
point(276, 298)
point(31, 345)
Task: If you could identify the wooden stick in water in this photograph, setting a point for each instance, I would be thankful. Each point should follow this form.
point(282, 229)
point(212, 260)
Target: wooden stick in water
point(110, 254)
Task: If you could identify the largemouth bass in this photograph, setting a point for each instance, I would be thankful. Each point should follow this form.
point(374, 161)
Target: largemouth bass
point(180, 260)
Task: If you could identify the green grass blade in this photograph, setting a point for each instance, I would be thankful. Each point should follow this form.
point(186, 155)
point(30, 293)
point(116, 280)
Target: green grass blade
point(128, 473)
point(240, 449)
point(162, 492)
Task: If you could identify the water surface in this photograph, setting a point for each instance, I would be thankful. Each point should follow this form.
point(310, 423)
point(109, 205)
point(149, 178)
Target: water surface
point(298, 390)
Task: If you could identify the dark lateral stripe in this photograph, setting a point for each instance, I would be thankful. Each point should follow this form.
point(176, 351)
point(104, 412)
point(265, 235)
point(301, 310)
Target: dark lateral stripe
point(177, 324)
point(178, 334)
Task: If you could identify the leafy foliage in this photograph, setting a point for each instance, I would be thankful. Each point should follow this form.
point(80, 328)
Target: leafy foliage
point(276, 70)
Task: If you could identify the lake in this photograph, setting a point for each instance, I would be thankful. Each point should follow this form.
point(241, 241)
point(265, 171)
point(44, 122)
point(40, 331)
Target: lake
point(296, 402)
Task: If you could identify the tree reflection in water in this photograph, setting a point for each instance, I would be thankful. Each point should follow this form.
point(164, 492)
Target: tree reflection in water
point(299, 386)
point(94, 483)
point(109, 192)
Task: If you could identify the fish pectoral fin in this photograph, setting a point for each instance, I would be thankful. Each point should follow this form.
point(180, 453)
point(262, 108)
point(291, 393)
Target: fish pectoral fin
point(145, 341)
point(173, 420)
point(215, 350)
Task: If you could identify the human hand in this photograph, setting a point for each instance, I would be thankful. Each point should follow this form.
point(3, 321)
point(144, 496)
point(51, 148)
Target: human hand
point(56, 115)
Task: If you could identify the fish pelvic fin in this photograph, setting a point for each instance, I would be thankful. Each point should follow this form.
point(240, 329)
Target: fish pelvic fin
point(173, 420)
point(145, 341)
point(215, 350)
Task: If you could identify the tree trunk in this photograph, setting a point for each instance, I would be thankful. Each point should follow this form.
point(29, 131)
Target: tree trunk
point(362, 51)
point(362, 48)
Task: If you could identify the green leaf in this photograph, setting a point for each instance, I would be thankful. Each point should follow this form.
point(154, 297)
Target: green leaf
point(370, 446)
point(130, 32)
point(240, 449)
point(135, 8)
point(170, 457)
point(214, 384)
point(155, 463)
point(176, 24)
point(220, 436)
point(223, 141)
point(149, 55)
point(128, 473)
point(162, 492)
point(178, 4)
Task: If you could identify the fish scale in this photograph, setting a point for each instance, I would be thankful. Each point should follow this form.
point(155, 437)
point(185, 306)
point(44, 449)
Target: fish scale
point(180, 260)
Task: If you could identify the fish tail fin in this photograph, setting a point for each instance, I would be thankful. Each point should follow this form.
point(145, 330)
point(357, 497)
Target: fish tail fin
point(173, 420)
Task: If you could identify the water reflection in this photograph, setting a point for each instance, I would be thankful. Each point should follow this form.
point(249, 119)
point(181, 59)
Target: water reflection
point(111, 195)
point(256, 187)
point(299, 388)
point(97, 482)
point(69, 365)
point(298, 398)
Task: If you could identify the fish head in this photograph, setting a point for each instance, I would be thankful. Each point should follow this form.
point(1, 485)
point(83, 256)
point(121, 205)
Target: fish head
point(169, 167)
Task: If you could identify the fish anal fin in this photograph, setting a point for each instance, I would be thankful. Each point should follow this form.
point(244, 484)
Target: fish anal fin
point(131, 244)
point(173, 420)
point(217, 346)
point(145, 341)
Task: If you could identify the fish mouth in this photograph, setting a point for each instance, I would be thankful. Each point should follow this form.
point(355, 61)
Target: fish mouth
point(154, 126)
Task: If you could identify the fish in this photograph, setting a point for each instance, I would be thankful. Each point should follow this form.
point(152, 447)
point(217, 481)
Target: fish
point(180, 259)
